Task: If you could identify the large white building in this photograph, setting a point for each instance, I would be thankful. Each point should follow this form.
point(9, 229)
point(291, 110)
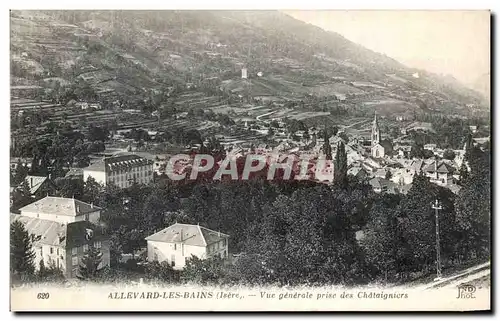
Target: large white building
point(179, 242)
point(121, 171)
point(63, 230)
point(62, 210)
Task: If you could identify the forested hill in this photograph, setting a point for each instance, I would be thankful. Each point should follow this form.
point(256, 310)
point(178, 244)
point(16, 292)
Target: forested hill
point(123, 53)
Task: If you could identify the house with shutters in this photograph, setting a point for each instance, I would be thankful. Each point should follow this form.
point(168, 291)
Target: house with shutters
point(179, 242)
point(63, 229)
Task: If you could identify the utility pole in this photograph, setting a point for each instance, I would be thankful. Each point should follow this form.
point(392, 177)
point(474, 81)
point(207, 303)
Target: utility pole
point(437, 206)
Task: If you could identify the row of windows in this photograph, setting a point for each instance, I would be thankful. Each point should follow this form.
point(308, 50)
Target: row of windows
point(216, 246)
point(132, 169)
point(97, 245)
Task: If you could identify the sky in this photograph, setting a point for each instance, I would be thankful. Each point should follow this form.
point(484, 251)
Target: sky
point(443, 42)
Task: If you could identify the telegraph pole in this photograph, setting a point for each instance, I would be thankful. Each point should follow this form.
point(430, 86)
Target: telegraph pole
point(437, 206)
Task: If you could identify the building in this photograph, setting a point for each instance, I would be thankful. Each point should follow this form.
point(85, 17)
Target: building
point(179, 242)
point(62, 210)
point(64, 245)
point(379, 148)
point(439, 173)
point(244, 73)
point(359, 172)
point(382, 185)
point(39, 185)
point(63, 229)
point(121, 171)
point(431, 147)
point(16, 161)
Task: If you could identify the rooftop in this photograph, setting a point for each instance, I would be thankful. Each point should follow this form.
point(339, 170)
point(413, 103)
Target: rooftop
point(58, 234)
point(34, 182)
point(119, 162)
point(188, 234)
point(60, 206)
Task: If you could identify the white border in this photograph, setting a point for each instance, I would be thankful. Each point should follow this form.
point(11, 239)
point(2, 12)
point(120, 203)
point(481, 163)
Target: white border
point(191, 4)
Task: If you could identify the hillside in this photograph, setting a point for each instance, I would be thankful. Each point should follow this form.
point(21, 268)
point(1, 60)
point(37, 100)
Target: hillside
point(126, 55)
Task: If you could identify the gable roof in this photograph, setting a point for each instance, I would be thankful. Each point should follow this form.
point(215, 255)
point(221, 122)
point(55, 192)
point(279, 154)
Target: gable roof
point(35, 182)
point(440, 168)
point(60, 206)
point(187, 234)
point(417, 165)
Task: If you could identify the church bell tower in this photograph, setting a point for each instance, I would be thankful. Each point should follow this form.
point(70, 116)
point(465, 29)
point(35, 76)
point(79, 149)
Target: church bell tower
point(375, 132)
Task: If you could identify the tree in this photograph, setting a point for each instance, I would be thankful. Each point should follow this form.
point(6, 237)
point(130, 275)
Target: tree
point(89, 266)
point(21, 196)
point(327, 149)
point(199, 271)
point(162, 200)
point(473, 209)
point(417, 220)
point(97, 133)
point(161, 272)
point(91, 190)
point(388, 175)
point(340, 165)
point(463, 174)
point(382, 237)
point(22, 255)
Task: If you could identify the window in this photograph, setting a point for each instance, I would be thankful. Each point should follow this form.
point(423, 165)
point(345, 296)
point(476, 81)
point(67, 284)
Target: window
point(85, 248)
point(74, 251)
point(57, 251)
point(97, 244)
point(175, 247)
point(51, 250)
point(173, 260)
point(74, 261)
point(223, 242)
point(87, 216)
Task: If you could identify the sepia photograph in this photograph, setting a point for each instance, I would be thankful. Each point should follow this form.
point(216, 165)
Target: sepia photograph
point(250, 160)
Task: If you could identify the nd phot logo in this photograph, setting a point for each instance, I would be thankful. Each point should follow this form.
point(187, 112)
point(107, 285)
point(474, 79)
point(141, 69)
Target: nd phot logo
point(466, 291)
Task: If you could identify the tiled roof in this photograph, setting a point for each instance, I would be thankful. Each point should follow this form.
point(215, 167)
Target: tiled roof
point(59, 206)
point(191, 235)
point(119, 162)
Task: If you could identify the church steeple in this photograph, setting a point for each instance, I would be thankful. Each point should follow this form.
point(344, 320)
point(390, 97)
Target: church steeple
point(375, 131)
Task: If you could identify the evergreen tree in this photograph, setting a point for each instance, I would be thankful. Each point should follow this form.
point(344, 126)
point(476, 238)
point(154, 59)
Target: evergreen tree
point(340, 165)
point(89, 266)
point(327, 149)
point(22, 255)
point(42, 271)
point(21, 196)
point(464, 174)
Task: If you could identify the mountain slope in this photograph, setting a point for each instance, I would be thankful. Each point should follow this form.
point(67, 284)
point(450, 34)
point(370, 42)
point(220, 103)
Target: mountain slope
point(126, 54)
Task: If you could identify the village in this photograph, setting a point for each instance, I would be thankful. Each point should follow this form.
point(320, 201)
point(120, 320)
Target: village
point(99, 118)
